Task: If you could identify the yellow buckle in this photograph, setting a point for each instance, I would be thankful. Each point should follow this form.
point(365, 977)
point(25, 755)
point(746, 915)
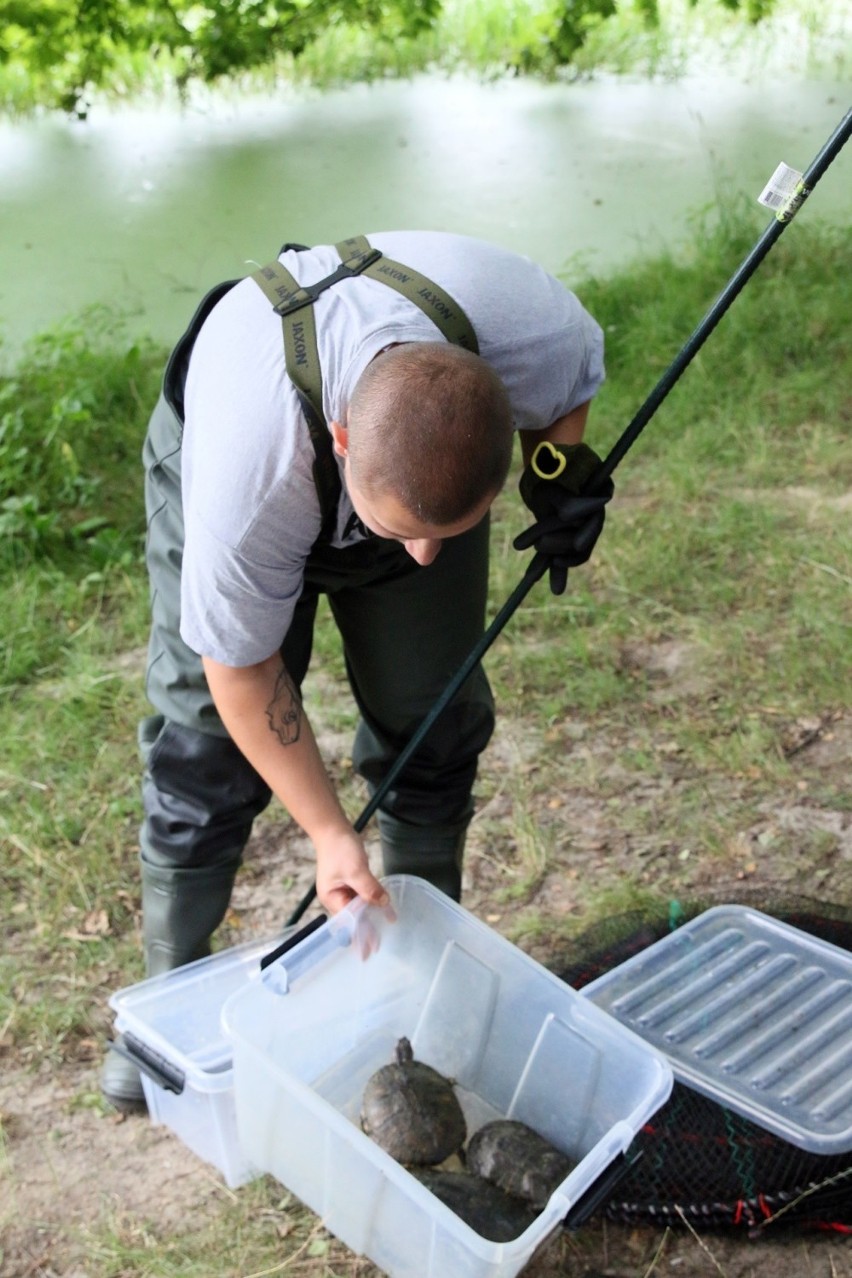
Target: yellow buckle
point(555, 464)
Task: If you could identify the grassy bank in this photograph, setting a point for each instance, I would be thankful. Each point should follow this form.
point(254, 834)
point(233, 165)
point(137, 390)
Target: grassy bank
point(727, 554)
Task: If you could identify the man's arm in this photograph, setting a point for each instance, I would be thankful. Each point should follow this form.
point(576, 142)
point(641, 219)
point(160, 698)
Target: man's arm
point(565, 430)
point(261, 708)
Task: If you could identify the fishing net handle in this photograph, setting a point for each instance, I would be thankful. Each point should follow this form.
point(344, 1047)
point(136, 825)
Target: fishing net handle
point(600, 477)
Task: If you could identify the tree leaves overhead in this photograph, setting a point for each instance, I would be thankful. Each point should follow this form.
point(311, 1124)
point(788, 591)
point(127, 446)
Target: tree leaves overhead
point(62, 50)
point(67, 48)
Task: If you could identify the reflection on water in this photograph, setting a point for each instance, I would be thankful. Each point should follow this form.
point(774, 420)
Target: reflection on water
point(148, 207)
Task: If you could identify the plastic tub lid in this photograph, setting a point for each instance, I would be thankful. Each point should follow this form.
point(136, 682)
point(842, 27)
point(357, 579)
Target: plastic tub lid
point(751, 1012)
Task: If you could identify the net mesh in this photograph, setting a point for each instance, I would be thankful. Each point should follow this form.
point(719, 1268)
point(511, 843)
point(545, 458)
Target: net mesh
point(702, 1163)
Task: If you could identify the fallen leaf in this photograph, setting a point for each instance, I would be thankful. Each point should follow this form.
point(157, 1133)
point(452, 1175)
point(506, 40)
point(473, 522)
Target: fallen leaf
point(96, 923)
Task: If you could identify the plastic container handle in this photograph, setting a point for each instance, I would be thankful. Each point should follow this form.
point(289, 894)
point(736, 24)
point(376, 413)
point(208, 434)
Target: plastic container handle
point(600, 1191)
point(320, 938)
point(290, 941)
point(150, 1063)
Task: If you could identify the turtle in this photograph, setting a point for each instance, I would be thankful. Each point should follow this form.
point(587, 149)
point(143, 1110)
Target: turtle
point(412, 1111)
point(518, 1159)
point(491, 1212)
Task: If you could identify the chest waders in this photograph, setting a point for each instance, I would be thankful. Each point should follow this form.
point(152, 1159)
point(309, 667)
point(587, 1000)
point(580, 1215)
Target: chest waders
point(200, 796)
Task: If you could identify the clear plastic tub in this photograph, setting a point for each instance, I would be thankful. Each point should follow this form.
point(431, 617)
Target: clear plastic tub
point(517, 1041)
point(171, 1026)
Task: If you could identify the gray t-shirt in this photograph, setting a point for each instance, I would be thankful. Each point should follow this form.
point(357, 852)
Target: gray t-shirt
point(251, 510)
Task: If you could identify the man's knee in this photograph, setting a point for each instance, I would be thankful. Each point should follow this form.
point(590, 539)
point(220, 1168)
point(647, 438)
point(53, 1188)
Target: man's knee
point(434, 787)
point(200, 796)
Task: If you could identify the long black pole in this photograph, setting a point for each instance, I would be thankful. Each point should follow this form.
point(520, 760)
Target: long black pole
point(533, 573)
point(678, 366)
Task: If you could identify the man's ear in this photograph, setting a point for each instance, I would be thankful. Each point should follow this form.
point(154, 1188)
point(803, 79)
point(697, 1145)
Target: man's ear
point(340, 436)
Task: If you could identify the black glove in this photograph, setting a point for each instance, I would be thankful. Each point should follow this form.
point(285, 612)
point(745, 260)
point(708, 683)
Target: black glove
point(568, 523)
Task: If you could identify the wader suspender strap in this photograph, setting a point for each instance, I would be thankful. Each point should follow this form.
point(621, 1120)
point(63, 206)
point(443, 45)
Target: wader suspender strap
point(437, 305)
point(174, 378)
point(294, 303)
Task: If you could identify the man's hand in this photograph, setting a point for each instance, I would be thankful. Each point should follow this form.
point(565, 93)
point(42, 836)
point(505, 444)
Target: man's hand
point(344, 873)
point(568, 523)
point(261, 708)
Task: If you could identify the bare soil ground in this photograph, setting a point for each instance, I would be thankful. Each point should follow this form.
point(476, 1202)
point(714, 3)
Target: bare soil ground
point(74, 1175)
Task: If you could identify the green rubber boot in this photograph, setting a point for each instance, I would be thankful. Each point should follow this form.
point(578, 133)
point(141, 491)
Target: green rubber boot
point(433, 853)
point(181, 910)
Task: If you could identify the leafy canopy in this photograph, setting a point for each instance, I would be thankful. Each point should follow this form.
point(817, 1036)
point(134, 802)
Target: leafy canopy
point(66, 47)
point(61, 50)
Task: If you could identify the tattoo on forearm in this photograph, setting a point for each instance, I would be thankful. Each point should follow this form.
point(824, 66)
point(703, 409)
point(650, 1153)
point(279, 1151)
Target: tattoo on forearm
point(284, 711)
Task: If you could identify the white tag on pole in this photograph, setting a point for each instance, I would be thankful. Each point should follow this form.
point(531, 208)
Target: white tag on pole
point(781, 188)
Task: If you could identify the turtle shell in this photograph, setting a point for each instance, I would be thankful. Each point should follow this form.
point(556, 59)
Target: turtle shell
point(494, 1215)
point(412, 1112)
point(516, 1158)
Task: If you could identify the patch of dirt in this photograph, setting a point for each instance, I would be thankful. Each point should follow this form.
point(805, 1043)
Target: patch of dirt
point(71, 1171)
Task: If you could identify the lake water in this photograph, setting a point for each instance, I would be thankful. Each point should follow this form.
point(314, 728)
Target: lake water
point(148, 207)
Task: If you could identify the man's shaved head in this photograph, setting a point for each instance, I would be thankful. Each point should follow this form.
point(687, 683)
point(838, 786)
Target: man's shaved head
point(430, 424)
